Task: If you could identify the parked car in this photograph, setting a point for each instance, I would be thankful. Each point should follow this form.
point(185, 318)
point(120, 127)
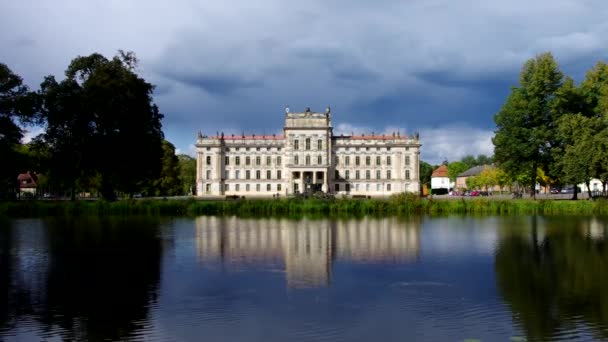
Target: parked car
point(567, 190)
point(554, 191)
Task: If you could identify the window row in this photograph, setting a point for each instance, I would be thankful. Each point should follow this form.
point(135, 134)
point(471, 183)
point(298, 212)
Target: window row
point(247, 187)
point(248, 174)
point(248, 160)
point(368, 187)
point(368, 174)
point(307, 144)
point(368, 160)
point(307, 160)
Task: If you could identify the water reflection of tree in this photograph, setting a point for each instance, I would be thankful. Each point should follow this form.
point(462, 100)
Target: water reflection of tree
point(102, 278)
point(557, 280)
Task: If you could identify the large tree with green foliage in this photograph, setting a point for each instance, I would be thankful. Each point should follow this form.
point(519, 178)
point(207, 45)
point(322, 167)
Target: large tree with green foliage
point(17, 104)
point(456, 168)
point(102, 122)
point(526, 124)
point(187, 173)
point(168, 184)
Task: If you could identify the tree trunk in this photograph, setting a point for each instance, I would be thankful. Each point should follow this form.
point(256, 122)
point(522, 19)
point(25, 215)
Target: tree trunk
point(588, 184)
point(575, 196)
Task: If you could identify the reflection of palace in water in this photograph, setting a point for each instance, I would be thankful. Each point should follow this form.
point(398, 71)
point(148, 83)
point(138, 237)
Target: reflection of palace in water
point(306, 248)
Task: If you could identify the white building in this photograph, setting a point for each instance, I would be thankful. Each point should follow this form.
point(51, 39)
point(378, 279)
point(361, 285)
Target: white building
point(440, 179)
point(307, 158)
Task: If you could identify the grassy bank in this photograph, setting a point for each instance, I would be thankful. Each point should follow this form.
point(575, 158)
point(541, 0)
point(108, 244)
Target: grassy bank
point(400, 205)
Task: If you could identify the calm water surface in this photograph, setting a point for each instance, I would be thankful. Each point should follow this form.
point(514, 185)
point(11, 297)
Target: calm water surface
point(231, 279)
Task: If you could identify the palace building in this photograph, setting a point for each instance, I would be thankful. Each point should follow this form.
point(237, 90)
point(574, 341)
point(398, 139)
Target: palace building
point(307, 158)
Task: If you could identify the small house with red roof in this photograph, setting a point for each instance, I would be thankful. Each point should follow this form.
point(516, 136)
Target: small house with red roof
point(440, 180)
point(28, 182)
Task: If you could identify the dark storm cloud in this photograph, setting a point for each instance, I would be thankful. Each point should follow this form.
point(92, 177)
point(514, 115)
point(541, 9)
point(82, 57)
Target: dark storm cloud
point(443, 67)
point(217, 84)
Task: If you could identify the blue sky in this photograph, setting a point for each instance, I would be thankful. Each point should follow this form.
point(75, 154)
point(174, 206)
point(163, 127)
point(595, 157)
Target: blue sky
point(440, 67)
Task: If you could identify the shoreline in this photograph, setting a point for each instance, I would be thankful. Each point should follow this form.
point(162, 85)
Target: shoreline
point(402, 205)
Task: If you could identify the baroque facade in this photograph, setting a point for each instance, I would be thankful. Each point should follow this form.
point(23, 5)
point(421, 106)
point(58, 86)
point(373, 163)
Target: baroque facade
point(307, 158)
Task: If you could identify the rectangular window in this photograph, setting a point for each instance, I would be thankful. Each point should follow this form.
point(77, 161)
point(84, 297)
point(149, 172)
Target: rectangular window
point(319, 160)
point(226, 187)
point(337, 174)
point(237, 174)
point(367, 174)
point(368, 160)
point(296, 160)
point(268, 160)
point(388, 174)
point(237, 160)
point(407, 174)
point(278, 161)
point(357, 174)
point(366, 187)
point(357, 161)
point(227, 160)
point(208, 188)
point(347, 160)
point(208, 174)
point(257, 187)
point(258, 174)
point(377, 174)
point(378, 187)
point(208, 160)
point(407, 160)
point(247, 174)
point(279, 174)
point(388, 160)
point(247, 160)
point(347, 174)
point(357, 187)
point(268, 176)
point(337, 160)
point(337, 187)
point(237, 187)
point(319, 145)
point(247, 187)
point(278, 187)
point(377, 160)
point(258, 160)
point(226, 174)
point(347, 187)
point(307, 144)
point(307, 160)
point(388, 187)
point(296, 144)
point(267, 187)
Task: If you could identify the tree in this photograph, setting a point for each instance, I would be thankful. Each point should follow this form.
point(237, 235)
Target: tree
point(526, 134)
point(17, 103)
point(104, 114)
point(456, 168)
point(187, 173)
point(168, 184)
point(426, 170)
point(582, 148)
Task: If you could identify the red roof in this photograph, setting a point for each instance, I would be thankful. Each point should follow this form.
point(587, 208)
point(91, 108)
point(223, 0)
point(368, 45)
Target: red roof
point(27, 180)
point(441, 171)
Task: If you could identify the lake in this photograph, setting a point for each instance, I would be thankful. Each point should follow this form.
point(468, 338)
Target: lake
point(371, 279)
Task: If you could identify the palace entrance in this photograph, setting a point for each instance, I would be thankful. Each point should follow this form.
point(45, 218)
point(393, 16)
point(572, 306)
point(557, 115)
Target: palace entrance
point(308, 182)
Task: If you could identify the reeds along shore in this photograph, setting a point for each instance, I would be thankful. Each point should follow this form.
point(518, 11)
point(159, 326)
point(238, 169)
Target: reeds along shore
point(397, 205)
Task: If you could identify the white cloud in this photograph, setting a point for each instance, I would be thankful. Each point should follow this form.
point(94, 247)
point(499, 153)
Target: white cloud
point(30, 133)
point(454, 142)
point(451, 142)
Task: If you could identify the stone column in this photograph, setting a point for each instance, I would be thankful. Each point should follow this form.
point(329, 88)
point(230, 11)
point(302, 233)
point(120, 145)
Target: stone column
point(325, 187)
point(314, 177)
